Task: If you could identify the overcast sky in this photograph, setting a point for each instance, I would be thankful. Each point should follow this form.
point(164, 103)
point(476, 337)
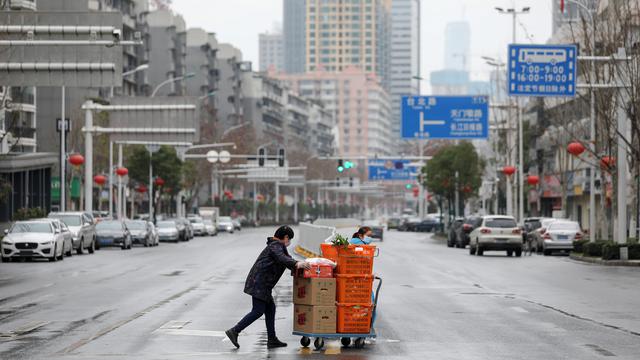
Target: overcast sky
point(240, 21)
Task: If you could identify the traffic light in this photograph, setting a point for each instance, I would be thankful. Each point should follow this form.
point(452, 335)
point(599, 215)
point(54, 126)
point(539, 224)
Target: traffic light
point(340, 166)
point(281, 157)
point(409, 186)
point(262, 156)
point(348, 165)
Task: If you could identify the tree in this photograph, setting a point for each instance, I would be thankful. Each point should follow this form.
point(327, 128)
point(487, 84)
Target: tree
point(440, 172)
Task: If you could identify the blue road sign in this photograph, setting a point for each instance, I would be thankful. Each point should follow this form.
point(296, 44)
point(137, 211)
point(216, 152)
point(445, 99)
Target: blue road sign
point(391, 170)
point(542, 70)
point(445, 117)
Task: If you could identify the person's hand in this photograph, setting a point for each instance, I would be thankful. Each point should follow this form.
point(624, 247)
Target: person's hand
point(303, 265)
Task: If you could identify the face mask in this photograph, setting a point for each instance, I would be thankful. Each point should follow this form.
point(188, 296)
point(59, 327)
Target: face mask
point(368, 239)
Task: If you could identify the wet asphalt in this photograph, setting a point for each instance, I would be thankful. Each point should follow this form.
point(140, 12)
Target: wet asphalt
point(176, 300)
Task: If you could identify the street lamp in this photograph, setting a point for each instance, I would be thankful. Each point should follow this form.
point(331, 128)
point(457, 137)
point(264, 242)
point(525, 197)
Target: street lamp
point(130, 72)
point(514, 14)
point(207, 95)
point(172, 80)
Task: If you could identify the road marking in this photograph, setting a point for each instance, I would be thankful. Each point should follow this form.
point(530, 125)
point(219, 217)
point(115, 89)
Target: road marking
point(174, 324)
point(519, 309)
point(187, 332)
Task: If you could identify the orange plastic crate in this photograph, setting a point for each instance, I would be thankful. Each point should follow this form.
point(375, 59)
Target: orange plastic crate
point(354, 289)
point(354, 318)
point(356, 260)
point(329, 252)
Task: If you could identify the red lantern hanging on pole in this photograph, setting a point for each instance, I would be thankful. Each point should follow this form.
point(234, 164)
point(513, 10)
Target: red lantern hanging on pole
point(608, 162)
point(576, 148)
point(159, 182)
point(100, 179)
point(76, 160)
point(141, 189)
point(509, 170)
point(122, 171)
point(533, 180)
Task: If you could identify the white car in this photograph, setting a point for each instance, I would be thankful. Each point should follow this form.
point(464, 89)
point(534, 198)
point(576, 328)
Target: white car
point(226, 224)
point(559, 235)
point(168, 231)
point(496, 233)
point(82, 227)
point(210, 227)
point(198, 226)
point(66, 233)
point(33, 239)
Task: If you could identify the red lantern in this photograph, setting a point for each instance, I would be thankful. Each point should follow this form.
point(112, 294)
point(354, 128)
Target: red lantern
point(533, 180)
point(467, 189)
point(100, 179)
point(122, 171)
point(576, 148)
point(608, 162)
point(76, 159)
point(509, 170)
point(141, 189)
point(159, 181)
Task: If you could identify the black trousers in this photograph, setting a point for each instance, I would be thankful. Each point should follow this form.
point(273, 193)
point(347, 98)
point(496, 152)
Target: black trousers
point(260, 307)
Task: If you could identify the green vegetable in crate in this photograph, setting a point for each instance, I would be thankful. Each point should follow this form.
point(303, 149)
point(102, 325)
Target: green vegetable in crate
point(340, 240)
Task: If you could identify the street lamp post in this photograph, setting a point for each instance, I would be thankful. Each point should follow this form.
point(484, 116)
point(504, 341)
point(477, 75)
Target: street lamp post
point(514, 14)
point(130, 72)
point(172, 80)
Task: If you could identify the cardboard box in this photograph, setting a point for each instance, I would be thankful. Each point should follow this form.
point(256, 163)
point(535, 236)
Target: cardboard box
point(314, 291)
point(315, 319)
point(317, 271)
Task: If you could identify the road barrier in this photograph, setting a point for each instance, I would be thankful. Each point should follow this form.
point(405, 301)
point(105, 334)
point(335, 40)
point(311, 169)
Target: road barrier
point(338, 223)
point(310, 238)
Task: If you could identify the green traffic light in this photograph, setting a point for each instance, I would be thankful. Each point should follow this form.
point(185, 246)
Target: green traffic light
point(348, 164)
point(340, 169)
point(409, 186)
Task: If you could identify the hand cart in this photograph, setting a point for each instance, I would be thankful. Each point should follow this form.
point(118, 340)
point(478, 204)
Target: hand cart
point(318, 342)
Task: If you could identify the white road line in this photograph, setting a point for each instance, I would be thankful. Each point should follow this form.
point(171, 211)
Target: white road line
point(186, 332)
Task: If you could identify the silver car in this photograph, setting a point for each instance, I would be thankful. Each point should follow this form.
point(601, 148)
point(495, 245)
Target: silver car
point(210, 227)
point(33, 239)
point(66, 233)
point(139, 231)
point(225, 224)
point(82, 227)
point(198, 226)
point(560, 235)
point(496, 233)
point(168, 231)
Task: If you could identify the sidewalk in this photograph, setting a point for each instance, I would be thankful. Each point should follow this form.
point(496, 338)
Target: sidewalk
point(599, 261)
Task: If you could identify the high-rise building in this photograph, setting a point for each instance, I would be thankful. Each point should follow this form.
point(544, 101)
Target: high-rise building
point(168, 50)
point(572, 12)
point(360, 105)
point(340, 34)
point(229, 96)
point(294, 35)
point(457, 46)
point(201, 59)
point(405, 56)
point(271, 51)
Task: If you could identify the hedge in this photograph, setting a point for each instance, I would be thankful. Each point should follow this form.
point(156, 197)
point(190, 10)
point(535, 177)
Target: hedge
point(611, 251)
point(578, 245)
point(593, 248)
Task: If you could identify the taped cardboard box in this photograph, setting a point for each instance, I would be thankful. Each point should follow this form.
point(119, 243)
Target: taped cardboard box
point(315, 319)
point(314, 291)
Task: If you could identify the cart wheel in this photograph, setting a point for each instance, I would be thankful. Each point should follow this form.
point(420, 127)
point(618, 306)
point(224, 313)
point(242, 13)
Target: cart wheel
point(318, 343)
point(359, 343)
point(305, 341)
point(346, 341)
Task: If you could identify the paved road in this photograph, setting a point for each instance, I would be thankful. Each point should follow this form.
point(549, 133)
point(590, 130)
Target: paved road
point(174, 301)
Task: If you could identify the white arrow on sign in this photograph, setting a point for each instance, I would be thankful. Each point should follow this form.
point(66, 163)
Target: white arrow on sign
point(424, 123)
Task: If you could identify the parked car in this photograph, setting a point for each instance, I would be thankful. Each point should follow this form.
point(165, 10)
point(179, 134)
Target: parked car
point(462, 236)
point(33, 239)
point(210, 227)
point(82, 227)
point(225, 224)
point(168, 231)
point(426, 225)
point(198, 226)
point(496, 233)
point(537, 235)
point(113, 233)
point(237, 224)
point(409, 224)
point(183, 229)
point(189, 227)
point(393, 223)
point(453, 232)
point(68, 236)
point(560, 235)
point(139, 231)
point(377, 229)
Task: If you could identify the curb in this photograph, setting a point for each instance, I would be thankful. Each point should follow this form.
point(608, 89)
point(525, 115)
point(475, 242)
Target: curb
point(597, 261)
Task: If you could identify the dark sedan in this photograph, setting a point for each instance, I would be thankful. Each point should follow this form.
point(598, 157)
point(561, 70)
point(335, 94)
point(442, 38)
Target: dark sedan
point(462, 234)
point(453, 232)
point(113, 233)
point(426, 225)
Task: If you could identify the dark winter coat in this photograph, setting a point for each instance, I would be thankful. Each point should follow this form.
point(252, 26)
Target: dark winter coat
point(268, 269)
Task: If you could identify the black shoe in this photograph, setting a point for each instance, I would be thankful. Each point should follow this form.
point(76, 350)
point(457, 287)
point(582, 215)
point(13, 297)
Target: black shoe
point(275, 343)
point(233, 336)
